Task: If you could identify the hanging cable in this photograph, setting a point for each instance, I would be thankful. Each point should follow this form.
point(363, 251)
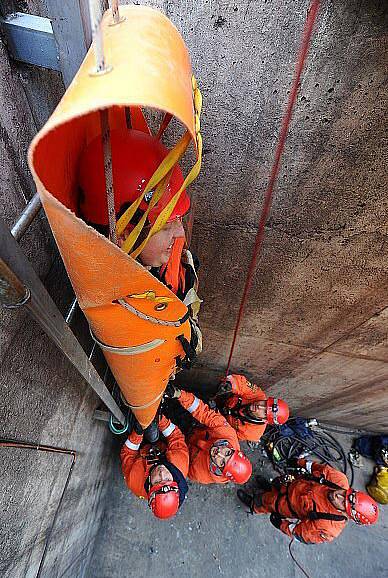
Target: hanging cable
point(296, 561)
point(7, 443)
point(306, 39)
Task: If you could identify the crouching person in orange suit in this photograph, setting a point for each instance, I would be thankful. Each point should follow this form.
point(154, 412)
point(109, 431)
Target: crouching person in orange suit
point(157, 472)
point(247, 408)
point(315, 506)
point(215, 454)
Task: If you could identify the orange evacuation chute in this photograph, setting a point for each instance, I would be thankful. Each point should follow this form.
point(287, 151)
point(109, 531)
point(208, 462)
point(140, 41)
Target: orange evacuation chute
point(133, 317)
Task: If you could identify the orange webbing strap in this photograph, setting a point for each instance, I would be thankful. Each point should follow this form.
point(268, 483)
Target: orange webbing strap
point(164, 216)
point(160, 179)
point(138, 121)
point(164, 124)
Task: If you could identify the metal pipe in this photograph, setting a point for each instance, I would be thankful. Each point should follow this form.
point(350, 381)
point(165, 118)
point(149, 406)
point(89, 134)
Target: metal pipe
point(26, 217)
point(98, 41)
point(47, 314)
point(13, 293)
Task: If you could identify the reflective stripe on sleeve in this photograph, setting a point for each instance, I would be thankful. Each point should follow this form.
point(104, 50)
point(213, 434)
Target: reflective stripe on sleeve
point(166, 432)
point(132, 446)
point(309, 466)
point(194, 405)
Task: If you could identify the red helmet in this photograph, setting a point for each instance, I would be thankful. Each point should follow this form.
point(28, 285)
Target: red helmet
point(238, 468)
point(361, 507)
point(135, 157)
point(277, 411)
point(163, 499)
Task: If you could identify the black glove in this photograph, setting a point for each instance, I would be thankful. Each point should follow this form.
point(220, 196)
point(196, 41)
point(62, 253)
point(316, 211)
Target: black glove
point(171, 391)
point(224, 388)
point(275, 520)
point(137, 427)
point(294, 467)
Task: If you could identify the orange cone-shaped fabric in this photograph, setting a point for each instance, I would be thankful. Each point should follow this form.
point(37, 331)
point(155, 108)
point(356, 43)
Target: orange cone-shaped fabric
point(135, 318)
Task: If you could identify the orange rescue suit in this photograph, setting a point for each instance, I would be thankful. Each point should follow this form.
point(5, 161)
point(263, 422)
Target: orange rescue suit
point(134, 460)
point(201, 440)
point(304, 497)
point(249, 393)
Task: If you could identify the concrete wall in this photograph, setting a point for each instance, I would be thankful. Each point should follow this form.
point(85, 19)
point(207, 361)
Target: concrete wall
point(315, 325)
point(43, 399)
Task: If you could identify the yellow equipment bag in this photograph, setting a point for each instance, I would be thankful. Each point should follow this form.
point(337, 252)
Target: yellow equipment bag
point(378, 486)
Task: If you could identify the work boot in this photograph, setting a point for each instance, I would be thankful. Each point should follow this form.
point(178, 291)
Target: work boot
point(246, 499)
point(151, 433)
point(262, 483)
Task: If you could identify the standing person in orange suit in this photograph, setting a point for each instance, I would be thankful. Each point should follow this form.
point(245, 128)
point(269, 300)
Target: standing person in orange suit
point(247, 408)
point(215, 454)
point(157, 472)
point(316, 506)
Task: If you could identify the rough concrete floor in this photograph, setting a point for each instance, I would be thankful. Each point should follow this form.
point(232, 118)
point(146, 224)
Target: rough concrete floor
point(213, 537)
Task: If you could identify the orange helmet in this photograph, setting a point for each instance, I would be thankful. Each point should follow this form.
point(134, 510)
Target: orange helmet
point(163, 499)
point(135, 157)
point(361, 507)
point(238, 468)
point(277, 411)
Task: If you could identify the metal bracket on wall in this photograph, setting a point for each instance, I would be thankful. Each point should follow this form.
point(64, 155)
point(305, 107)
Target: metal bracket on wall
point(30, 39)
point(21, 286)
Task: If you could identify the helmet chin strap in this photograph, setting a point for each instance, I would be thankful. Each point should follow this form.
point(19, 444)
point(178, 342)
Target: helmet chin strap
point(244, 415)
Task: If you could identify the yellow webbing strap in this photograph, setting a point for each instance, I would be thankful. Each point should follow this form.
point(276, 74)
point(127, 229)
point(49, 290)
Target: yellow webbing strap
point(168, 209)
point(134, 234)
point(165, 167)
point(164, 216)
point(160, 179)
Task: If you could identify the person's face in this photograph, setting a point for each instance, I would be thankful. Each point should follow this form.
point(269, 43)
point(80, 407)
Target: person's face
point(259, 410)
point(160, 474)
point(220, 455)
point(158, 249)
point(337, 498)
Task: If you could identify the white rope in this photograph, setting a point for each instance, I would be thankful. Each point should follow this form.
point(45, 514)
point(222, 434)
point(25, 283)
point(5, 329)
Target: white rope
point(108, 171)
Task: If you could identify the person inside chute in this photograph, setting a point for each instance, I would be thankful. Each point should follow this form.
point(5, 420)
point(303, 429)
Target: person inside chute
point(157, 473)
point(215, 453)
point(247, 408)
point(135, 157)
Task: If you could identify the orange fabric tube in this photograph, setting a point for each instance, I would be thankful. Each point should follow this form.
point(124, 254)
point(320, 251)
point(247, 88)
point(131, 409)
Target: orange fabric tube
point(150, 68)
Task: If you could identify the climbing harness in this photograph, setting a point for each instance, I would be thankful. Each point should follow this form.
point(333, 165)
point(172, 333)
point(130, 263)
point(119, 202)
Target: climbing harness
point(305, 44)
